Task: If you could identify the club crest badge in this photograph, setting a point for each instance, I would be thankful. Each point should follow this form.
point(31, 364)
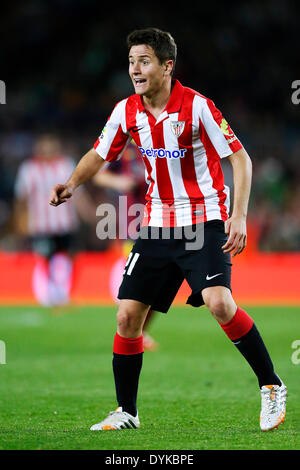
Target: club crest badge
point(177, 127)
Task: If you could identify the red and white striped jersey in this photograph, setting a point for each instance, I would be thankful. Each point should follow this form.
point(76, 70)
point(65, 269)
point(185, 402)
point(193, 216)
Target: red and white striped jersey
point(35, 179)
point(181, 151)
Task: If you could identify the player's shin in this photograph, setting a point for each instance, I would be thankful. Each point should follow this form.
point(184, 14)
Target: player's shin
point(127, 364)
point(242, 331)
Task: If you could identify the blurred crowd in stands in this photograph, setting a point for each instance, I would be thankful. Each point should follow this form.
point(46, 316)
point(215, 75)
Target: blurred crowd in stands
point(65, 66)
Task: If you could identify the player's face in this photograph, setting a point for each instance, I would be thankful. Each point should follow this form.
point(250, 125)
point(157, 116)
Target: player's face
point(145, 70)
point(47, 147)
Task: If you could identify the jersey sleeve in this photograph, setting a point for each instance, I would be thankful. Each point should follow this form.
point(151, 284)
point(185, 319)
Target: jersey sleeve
point(114, 136)
point(215, 127)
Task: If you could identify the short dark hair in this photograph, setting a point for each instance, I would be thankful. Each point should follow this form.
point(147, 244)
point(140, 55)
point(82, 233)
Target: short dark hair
point(161, 42)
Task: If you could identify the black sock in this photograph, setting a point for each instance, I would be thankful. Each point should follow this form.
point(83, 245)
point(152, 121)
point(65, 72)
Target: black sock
point(127, 370)
point(252, 347)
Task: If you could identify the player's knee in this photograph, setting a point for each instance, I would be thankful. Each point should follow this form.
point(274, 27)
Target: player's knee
point(221, 306)
point(124, 318)
point(128, 322)
point(218, 307)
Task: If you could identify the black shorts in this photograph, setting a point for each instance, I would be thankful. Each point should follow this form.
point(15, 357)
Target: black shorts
point(48, 245)
point(156, 268)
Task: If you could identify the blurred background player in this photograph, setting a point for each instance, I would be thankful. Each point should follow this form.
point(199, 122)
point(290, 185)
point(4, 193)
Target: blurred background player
point(50, 233)
point(126, 177)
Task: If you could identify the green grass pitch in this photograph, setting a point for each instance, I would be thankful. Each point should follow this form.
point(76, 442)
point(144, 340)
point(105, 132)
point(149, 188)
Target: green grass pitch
point(196, 391)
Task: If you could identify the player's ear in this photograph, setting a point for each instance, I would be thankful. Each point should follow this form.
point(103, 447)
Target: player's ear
point(169, 64)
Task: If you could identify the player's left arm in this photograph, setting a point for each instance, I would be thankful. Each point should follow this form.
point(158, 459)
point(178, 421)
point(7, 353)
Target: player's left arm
point(235, 226)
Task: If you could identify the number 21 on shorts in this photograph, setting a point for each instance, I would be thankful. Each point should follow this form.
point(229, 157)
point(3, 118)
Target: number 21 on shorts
point(131, 263)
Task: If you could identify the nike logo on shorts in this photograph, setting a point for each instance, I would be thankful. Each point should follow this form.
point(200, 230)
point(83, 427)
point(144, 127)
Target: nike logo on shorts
point(208, 278)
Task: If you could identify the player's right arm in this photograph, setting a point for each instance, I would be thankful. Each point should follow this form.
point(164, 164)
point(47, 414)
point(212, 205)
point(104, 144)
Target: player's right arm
point(87, 167)
point(107, 148)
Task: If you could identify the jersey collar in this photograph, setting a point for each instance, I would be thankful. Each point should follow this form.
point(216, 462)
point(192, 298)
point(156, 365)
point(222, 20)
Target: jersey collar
point(175, 100)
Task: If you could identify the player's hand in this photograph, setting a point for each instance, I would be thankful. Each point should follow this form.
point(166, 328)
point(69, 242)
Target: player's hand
point(236, 229)
point(59, 194)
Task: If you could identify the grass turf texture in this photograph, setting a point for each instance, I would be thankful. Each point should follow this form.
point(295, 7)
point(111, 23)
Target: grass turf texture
point(196, 391)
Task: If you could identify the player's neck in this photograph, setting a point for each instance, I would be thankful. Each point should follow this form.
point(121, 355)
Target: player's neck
point(157, 102)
